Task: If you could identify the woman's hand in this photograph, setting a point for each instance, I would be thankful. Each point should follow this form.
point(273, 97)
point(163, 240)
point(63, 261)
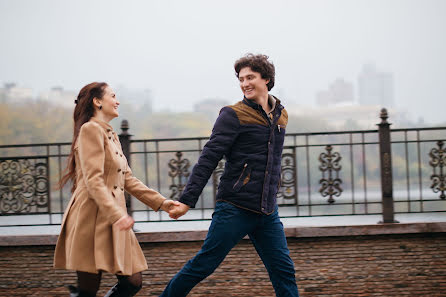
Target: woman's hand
point(168, 204)
point(125, 223)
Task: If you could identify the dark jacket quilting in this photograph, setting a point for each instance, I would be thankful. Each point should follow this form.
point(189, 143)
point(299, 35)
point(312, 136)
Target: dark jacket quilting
point(252, 146)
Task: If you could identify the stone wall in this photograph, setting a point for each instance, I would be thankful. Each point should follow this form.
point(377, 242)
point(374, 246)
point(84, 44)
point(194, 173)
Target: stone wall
point(378, 260)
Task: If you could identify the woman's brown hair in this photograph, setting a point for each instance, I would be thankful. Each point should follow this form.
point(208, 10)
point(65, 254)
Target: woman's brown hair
point(83, 112)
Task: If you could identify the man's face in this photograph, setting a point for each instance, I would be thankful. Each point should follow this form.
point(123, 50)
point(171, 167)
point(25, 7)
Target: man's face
point(252, 84)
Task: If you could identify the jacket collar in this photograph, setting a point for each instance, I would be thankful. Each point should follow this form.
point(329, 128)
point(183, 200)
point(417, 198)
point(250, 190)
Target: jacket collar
point(104, 125)
point(271, 98)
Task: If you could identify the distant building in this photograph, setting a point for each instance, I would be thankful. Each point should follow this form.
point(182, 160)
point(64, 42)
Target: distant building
point(342, 116)
point(339, 91)
point(138, 99)
point(11, 93)
point(59, 96)
point(3, 95)
point(375, 88)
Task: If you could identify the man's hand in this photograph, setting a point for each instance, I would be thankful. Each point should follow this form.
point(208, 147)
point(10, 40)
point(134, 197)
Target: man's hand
point(168, 204)
point(178, 210)
point(125, 223)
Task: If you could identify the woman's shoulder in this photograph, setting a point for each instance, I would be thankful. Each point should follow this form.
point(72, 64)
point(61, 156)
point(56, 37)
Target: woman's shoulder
point(91, 129)
point(91, 126)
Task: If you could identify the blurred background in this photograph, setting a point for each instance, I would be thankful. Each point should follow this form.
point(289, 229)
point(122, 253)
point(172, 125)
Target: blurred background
point(171, 62)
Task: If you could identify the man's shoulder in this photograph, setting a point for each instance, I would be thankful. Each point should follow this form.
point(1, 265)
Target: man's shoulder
point(246, 114)
point(232, 109)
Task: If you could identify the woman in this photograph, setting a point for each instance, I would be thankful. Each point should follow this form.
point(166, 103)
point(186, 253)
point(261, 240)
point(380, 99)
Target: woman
point(96, 232)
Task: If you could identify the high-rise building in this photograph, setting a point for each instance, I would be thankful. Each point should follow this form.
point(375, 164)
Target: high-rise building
point(375, 88)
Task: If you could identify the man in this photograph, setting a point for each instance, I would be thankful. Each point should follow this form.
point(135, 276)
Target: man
point(250, 135)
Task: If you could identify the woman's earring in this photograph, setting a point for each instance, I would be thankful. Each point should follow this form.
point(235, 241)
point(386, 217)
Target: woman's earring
point(100, 107)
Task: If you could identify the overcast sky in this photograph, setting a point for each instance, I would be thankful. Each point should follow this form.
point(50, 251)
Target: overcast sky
point(184, 50)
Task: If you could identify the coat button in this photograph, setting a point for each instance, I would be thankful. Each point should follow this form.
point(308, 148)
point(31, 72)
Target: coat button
point(119, 170)
point(109, 137)
point(115, 187)
point(123, 172)
point(117, 152)
point(120, 155)
point(108, 130)
point(122, 189)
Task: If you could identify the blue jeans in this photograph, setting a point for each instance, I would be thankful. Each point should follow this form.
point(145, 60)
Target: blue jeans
point(229, 225)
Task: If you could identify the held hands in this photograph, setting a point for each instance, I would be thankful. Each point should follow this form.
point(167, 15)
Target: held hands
point(178, 210)
point(125, 223)
point(174, 208)
point(168, 205)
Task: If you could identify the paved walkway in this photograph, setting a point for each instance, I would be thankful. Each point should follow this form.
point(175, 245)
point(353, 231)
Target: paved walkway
point(198, 225)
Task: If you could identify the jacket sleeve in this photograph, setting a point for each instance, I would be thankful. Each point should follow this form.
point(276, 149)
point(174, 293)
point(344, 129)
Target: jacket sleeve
point(224, 133)
point(92, 158)
point(136, 188)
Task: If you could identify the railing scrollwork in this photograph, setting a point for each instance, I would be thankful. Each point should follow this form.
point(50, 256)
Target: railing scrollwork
point(287, 183)
point(330, 167)
point(24, 186)
point(179, 170)
point(438, 162)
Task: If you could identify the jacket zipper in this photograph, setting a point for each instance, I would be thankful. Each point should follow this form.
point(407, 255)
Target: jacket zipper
point(267, 162)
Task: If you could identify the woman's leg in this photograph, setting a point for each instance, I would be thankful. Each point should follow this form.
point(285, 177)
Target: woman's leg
point(127, 286)
point(87, 284)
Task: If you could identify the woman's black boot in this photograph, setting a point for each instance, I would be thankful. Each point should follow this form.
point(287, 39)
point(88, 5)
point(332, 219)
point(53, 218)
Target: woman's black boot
point(123, 289)
point(74, 292)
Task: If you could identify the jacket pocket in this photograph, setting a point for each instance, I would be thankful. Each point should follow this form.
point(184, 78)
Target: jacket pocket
point(244, 178)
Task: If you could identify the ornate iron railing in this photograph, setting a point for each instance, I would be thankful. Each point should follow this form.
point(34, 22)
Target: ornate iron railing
point(24, 185)
point(438, 162)
point(368, 172)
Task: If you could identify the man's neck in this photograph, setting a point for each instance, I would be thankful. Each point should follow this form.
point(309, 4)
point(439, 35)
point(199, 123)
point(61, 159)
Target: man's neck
point(264, 103)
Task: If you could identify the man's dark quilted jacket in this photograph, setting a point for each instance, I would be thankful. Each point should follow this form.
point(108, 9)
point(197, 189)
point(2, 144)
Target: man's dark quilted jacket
point(252, 146)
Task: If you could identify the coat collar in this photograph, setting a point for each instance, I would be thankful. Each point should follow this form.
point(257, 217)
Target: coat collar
point(271, 98)
point(104, 125)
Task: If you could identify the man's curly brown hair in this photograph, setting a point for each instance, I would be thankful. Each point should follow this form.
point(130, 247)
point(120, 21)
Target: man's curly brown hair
point(257, 63)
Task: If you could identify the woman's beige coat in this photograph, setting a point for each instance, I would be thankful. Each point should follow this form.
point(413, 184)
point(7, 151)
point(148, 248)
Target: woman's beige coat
point(88, 240)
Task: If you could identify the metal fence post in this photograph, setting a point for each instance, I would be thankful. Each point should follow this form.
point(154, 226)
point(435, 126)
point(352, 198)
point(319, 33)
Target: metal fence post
point(124, 138)
point(385, 156)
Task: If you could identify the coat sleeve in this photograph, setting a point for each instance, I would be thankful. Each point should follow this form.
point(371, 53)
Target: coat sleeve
point(136, 188)
point(224, 133)
point(92, 158)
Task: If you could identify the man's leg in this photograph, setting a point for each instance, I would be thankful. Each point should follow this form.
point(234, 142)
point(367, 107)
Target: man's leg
point(270, 242)
point(229, 225)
